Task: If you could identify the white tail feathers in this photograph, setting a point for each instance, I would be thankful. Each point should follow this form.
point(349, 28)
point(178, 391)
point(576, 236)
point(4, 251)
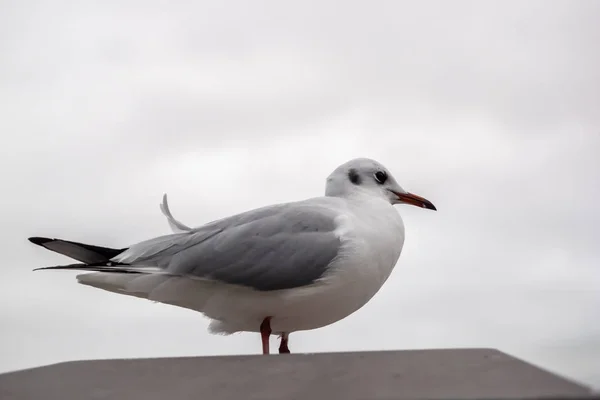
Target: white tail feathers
point(176, 226)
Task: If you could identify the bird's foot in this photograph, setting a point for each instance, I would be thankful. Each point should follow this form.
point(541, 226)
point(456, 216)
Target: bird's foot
point(265, 333)
point(283, 346)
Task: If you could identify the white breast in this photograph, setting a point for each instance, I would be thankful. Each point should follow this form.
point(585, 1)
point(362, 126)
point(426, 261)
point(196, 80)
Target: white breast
point(373, 236)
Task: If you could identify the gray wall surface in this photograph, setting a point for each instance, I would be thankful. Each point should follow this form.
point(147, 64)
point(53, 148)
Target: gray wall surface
point(432, 374)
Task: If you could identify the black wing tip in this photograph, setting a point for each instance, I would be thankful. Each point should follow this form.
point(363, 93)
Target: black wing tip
point(96, 267)
point(70, 266)
point(40, 241)
point(73, 267)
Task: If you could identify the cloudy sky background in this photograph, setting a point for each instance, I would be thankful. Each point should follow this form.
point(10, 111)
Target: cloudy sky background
point(488, 109)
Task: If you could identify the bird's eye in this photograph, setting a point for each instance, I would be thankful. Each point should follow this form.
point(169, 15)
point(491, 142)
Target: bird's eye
point(381, 177)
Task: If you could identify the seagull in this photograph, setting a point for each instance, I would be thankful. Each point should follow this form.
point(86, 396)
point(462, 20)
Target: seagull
point(273, 270)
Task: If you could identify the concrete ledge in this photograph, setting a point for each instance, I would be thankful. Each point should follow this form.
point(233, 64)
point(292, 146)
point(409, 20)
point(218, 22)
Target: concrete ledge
point(416, 374)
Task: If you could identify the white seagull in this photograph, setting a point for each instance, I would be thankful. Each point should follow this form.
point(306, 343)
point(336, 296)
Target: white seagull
point(275, 270)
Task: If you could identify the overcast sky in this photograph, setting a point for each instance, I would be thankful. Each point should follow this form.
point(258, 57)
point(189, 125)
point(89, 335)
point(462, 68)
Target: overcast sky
point(488, 109)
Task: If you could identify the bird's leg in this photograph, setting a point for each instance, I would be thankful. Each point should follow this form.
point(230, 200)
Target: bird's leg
point(283, 346)
point(265, 333)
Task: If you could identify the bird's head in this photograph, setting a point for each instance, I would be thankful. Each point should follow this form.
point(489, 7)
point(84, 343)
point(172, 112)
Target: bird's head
point(363, 175)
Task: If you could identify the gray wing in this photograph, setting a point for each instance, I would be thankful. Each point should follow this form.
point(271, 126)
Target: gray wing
point(271, 248)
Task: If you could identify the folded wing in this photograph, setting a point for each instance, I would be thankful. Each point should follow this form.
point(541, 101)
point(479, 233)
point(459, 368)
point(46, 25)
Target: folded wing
point(272, 248)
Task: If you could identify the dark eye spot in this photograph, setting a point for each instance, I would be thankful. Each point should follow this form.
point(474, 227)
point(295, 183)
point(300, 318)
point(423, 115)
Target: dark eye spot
point(353, 176)
point(381, 177)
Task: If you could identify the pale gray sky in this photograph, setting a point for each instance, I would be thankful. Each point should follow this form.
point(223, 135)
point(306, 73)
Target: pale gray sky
point(488, 109)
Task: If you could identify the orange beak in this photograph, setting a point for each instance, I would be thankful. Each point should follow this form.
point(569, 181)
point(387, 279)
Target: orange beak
point(415, 200)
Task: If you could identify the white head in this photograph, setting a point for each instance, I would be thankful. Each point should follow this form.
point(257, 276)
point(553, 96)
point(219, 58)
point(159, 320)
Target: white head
point(363, 175)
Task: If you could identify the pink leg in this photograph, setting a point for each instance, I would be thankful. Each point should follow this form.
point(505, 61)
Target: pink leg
point(283, 346)
point(265, 333)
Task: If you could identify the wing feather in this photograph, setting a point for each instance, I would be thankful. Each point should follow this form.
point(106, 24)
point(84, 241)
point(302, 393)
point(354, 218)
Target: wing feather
point(176, 226)
point(270, 248)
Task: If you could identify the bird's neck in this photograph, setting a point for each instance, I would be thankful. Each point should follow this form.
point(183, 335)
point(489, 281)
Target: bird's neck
point(363, 198)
